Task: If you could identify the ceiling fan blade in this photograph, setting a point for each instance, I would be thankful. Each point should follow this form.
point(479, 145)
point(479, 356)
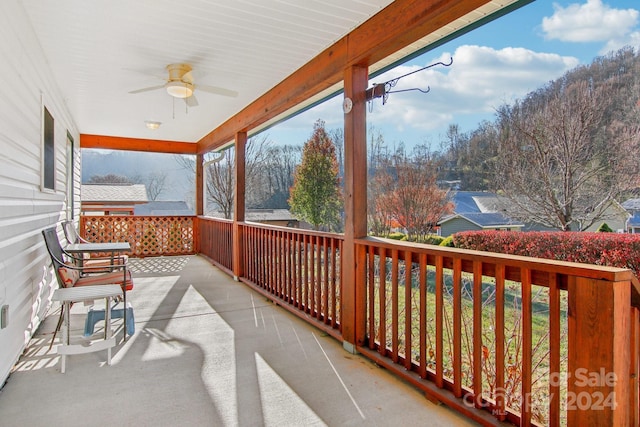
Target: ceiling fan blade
point(217, 90)
point(147, 89)
point(191, 101)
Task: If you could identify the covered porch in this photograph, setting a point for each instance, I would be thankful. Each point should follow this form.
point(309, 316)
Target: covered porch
point(209, 351)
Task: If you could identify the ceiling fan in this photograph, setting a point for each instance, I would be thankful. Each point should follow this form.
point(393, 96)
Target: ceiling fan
point(180, 85)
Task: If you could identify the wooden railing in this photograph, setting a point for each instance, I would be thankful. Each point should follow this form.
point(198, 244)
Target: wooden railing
point(298, 268)
point(516, 339)
point(532, 341)
point(216, 241)
point(147, 235)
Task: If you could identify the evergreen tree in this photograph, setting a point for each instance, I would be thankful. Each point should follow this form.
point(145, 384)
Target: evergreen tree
point(315, 195)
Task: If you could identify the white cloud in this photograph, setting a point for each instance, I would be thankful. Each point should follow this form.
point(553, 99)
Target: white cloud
point(592, 21)
point(479, 81)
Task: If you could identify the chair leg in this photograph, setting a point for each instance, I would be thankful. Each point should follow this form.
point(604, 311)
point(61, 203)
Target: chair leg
point(57, 327)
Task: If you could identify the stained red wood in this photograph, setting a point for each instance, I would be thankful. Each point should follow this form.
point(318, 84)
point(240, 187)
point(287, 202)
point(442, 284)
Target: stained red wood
point(394, 305)
point(525, 415)
point(477, 333)
point(239, 202)
point(371, 286)
point(599, 335)
point(407, 309)
point(634, 383)
point(382, 302)
point(138, 144)
point(554, 351)
point(439, 380)
point(457, 327)
point(499, 343)
point(422, 266)
point(402, 22)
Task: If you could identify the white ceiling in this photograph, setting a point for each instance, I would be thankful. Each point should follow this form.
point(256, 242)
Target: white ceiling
point(100, 50)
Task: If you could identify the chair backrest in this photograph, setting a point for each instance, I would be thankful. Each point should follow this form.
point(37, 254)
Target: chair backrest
point(70, 233)
point(55, 250)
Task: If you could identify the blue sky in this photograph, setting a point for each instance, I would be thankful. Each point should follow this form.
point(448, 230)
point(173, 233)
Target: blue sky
point(492, 65)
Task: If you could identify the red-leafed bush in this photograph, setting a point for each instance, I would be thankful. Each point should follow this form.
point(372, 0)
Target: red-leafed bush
point(611, 249)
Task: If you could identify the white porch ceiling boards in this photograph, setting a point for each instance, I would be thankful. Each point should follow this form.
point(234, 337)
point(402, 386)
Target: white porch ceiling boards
point(100, 50)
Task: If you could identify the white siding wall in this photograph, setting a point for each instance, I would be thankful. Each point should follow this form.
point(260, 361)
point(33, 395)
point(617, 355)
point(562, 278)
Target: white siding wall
point(26, 283)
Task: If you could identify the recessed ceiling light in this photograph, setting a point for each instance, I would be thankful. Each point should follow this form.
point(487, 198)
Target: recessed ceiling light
point(152, 125)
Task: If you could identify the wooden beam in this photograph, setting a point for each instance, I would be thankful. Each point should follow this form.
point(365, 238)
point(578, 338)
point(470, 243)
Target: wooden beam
point(137, 144)
point(393, 28)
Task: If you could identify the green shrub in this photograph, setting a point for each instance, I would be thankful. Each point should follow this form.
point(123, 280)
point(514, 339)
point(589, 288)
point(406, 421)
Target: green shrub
point(604, 228)
point(397, 236)
point(432, 239)
point(448, 242)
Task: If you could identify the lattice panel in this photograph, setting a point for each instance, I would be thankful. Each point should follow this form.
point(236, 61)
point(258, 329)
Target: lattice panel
point(147, 235)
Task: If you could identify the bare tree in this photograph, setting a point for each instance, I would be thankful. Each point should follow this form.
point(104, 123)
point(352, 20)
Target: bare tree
point(220, 173)
point(110, 179)
point(276, 176)
point(561, 160)
point(405, 191)
point(156, 184)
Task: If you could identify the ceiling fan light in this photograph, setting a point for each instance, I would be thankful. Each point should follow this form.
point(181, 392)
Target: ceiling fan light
point(152, 125)
point(180, 89)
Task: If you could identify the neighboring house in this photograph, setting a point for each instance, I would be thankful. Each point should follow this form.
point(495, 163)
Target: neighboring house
point(111, 199)
point(161, 208)
point(616, 217)
point(632, 207)
point(475, 210)
point(280, 217)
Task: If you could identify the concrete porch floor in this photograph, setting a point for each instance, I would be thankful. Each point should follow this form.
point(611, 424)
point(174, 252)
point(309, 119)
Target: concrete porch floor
point(208, 351)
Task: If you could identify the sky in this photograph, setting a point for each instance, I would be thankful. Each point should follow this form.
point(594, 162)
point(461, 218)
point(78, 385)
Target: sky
point(492, 65)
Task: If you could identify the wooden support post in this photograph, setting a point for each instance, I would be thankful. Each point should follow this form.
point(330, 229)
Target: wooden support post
point(353, 294)
point(199, 200)
point(239, 205)
point(599, 353)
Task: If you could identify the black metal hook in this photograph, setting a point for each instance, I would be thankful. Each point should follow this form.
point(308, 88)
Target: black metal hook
point(384, 89)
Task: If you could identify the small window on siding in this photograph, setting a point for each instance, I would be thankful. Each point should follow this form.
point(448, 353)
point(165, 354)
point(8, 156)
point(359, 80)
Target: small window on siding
point(49, 152)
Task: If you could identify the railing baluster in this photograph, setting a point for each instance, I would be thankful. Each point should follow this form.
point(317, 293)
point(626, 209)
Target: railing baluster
point(457, 327)
point(407, 310)
point(422, 265)
point(634, 390)
point(334, 263)
point(499, 343)
point(525, 415)
point(307, 250)
point(554, 351)
point(394, 305)
point(371, 287)
point(477, 333)
point(439, 321)
point(382, 298)
point(325, 281)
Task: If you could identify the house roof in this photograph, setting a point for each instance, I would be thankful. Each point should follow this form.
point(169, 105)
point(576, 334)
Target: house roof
point(631, 204)
point(634, 221)
point(477, 202)
point(163, 208)
point(133, 193)
point(484, 219)
point(101, 51)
